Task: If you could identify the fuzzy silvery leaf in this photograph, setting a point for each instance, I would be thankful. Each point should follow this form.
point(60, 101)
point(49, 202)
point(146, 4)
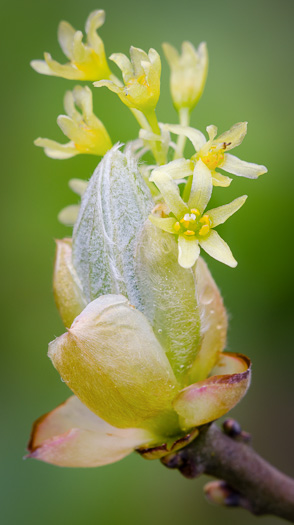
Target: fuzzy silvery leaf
point(114, 207)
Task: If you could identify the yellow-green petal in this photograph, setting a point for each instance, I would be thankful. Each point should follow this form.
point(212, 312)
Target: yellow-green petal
point(55, 150)
point(194, 135)
point(78, 186)
point(165, 224)
point(242, 168)
point(217, 248)
point(66, 35)
point(69, 214)
point(222, 213)
point(220, 180)
point(62, 70)
point(170, 192)
point(188, 251)
point(112, 361)
point(233, 137)
point(201, 188)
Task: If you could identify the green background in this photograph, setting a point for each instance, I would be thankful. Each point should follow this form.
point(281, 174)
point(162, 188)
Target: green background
point(250, 78)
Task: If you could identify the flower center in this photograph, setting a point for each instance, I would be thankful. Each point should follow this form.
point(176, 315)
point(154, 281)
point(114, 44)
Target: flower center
point(193, 224)
point(214, 157)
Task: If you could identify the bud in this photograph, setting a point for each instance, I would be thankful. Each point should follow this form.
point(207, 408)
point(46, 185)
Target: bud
point(145, 356)
point(141, 77)
point(188, 73)
point(113, 210)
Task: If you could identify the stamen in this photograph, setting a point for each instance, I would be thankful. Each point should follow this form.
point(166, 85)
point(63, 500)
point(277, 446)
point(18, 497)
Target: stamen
point(189, 232)
point(204, 230)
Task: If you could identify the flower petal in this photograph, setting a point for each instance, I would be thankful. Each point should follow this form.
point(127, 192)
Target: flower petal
point(69, 215)
point(165, 224)
point(70, 128)
point(210, 399)
point(78, 186)
point(110, 85)
point(54, 150)
point(201, 187)
point(233, 137)
point(222, 213)
point(217, 248)
point(188, 251)
point(124, 64)
point(171, 54)
point(62, 70)
point(68, 293)
point(242, 168)
point(177, 169)
point(72, 436)
point(214, 323)
point(112, 361)
point(220, 180)
point(194, 135)
point(170, 191)
point(95, 20)
point(41, 67)
point(211, 131)
point(66, 35)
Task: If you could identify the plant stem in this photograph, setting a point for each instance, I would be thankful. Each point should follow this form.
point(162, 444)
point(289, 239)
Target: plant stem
point(255, 484)
point(184, 117)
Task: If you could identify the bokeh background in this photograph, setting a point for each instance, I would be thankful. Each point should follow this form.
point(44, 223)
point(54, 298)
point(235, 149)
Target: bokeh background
point(250, 78)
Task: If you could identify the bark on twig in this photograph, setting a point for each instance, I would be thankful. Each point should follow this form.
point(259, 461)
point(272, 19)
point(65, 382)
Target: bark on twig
point(248, 480)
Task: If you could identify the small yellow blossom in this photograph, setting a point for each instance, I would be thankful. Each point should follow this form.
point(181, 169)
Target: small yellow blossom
point(213, 153)
point(188, 73)
point(87, 61)
point(189, 221)
point(141, 77)
point(86, 132)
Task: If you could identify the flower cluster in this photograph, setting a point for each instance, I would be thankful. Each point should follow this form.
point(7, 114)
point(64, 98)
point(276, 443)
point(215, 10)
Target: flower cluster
point(146, 326)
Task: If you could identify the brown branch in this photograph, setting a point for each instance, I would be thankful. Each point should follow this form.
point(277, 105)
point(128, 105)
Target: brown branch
point(248, 480)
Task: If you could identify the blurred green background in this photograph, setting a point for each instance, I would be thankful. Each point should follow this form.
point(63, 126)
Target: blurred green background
point(250, 78)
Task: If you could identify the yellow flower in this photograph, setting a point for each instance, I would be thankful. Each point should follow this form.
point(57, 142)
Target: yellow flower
point(87, 61)
point(188, 73)
point(86, 132)
point(141, 77)
point(213, 153)
point(193, 226)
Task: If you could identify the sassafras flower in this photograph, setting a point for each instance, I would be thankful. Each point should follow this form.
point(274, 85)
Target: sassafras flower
point(193, 226)
point(141, 76)
point(188, 73)
point(86, 132)
point(86, 61)
point(213, 153)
